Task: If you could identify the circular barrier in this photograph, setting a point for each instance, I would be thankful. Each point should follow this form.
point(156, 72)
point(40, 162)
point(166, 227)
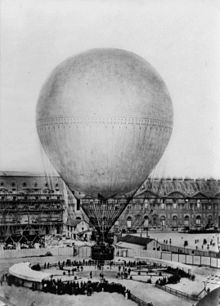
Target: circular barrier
point(21, 274)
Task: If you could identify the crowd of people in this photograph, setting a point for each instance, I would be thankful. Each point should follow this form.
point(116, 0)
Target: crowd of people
point(175, 277)
point(124, 272)
point(80, 263)
point(83, 287)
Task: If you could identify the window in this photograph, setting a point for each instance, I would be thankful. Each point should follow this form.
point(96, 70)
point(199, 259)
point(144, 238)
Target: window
point(209, 220)
point(13, 184)
point(175, 220)
point(198, 203)
point(146, 203)
point(129, 220)
point(186, 220)
point(198, 220)
point(78, 204)
point(146, 221)
point(163, 220)
point(24, 184)
point(2, 184)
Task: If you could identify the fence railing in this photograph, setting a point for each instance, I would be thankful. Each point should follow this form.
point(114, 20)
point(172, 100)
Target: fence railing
point(139, 301)
point(189, 251)
point(178, 293)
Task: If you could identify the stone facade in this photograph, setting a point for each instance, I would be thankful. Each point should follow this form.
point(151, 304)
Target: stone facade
point(31, 206)
point(174, 204)
point(44, 204)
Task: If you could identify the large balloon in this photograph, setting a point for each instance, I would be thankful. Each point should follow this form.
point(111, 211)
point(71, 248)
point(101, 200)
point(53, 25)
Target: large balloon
point(104, 117)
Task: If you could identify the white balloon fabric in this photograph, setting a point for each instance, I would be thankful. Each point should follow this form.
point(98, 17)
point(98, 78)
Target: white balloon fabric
point(104, 118)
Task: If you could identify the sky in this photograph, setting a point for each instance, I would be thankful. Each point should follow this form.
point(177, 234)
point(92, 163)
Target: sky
point(179, 38)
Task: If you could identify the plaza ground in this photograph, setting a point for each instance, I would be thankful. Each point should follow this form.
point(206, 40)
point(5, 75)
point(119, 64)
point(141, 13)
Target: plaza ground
point(205, 276)
point(177, 239)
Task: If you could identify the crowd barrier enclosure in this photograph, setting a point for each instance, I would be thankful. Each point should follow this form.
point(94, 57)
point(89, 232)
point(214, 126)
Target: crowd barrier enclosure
point(82, 251)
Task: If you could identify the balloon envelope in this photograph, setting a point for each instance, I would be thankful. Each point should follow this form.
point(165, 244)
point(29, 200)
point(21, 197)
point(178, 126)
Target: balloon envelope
point(104, 118)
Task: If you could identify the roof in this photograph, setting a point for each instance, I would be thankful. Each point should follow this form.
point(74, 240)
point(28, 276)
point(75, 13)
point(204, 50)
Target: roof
point(153, 187)
point(23, 173)
point(187, 187)
point(136, 240)
point(23, 270)
point(73, 222)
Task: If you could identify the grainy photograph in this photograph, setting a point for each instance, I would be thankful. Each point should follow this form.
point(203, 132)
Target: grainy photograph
point(110, 153)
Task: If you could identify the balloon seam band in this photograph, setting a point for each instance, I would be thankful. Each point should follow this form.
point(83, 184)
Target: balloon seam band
point(119, 120)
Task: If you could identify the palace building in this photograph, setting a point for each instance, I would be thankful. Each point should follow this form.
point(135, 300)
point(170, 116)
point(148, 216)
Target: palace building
point(32, 206)
point(174, 204)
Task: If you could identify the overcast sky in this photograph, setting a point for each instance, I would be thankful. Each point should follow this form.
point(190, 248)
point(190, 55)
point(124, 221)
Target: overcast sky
point(181, 39)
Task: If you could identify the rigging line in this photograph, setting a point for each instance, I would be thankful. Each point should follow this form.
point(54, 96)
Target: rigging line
point(117, 212)
point(47, 163)
point(96, 214)
point(109, 214)
point(90, 212)
point(101, 216)
point(89, 223)
point(93, 202)
point(43, 162)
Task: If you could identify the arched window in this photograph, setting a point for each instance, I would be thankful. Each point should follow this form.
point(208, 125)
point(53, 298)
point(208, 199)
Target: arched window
point(209, 220)
point(163, 220)
point(129, 221)
point(198, 220)
point(146, 221)
point(186, 220)
point(175, 221)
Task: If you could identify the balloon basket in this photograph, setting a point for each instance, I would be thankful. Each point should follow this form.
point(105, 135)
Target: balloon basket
point(102, 252)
